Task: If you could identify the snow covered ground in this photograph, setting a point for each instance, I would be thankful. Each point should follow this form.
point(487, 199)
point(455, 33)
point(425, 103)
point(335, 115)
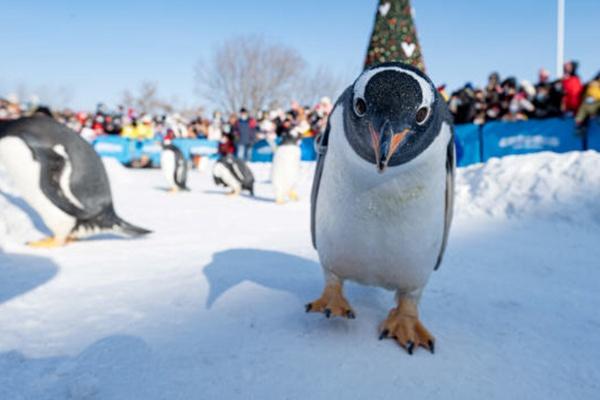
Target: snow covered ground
point(212, 304)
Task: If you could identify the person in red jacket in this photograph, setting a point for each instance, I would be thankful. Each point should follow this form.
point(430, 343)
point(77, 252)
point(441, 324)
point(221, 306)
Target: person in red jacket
point(572, 88)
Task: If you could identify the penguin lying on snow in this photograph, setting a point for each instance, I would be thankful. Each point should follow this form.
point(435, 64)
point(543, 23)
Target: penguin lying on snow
point(234, 173)
point(286, 168)
point(60, 175)
point(174, 166)
point(383, 194)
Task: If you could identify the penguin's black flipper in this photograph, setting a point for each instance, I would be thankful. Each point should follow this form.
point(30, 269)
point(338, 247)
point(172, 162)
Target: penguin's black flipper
point(450, 172)
point(54, 182)
point(321, 144)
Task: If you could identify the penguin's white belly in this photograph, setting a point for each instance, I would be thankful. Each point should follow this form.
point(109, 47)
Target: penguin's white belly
point(381, 229)
point(285, 169)
point(167, 164)
point(24, 170)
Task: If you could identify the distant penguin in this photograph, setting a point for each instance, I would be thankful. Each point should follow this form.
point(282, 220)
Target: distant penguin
point(285, 170)
point(60, 175)
point(383, 195)
point(234, 173)
point(174, 166)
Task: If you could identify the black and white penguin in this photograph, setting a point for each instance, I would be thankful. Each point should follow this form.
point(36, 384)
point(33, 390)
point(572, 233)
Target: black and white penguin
point(60, 175)
point(233, 173)
point(174, 166)
point(285, 170)
point(383, 194)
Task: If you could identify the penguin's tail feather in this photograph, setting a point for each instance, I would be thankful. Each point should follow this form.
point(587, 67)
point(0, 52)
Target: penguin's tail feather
point(128, 229)
point(107, 221)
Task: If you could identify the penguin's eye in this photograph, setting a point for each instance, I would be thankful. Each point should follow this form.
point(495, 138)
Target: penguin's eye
point(422, 114)
point(360, 107)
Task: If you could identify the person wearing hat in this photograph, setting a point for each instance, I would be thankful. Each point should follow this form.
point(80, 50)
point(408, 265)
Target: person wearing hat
point(245, 133)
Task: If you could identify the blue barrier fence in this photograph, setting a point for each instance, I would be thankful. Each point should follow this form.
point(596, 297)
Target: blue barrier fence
point(593, 142)
point(474, 143)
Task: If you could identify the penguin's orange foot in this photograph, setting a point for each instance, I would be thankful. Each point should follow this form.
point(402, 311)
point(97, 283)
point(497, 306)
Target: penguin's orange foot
point(48, 243)
point(404, 326)
point(233, 193)
point(174, 190)
point(332, 303)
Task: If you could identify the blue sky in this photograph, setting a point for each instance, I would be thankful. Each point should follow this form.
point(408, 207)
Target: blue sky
point(97, 49)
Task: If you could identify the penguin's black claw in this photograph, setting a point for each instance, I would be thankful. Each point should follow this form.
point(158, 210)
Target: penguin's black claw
point(308, 307)
point(350, 314)
point(384, 334)
point(410, 347)
point(327, 312)
point(431, 345)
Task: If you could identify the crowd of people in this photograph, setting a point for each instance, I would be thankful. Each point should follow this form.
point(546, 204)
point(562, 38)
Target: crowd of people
point(236, 132)
point(510, 100)
point(505, 100)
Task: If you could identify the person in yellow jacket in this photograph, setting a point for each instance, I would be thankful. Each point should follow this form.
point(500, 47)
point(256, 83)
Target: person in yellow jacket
point(139, 131)
point(591, 102)
point(145, 130)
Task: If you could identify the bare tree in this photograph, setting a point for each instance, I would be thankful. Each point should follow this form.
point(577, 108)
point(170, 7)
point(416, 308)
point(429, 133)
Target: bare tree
point(318, 83)
point(248, 71)
point(146, 100)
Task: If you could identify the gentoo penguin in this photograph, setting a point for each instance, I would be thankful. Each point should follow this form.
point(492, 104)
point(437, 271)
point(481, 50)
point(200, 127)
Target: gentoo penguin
point(383, 194)
point(174, 166)
point(60, 175)
point(286, 168)
point(234, 173)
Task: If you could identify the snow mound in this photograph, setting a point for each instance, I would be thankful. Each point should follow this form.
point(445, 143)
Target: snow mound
point(545, 185)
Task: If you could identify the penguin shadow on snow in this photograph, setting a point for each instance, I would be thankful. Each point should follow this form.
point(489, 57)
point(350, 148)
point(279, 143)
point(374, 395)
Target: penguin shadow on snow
point(279, 271)
point(245, 195)
point(20, 273)
point(166, 189)
point(38, 223)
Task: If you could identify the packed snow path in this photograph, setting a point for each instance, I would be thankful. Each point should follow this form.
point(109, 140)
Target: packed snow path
point(212, 304)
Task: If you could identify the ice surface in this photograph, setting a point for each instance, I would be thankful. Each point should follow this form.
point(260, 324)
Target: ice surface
point(211, 304)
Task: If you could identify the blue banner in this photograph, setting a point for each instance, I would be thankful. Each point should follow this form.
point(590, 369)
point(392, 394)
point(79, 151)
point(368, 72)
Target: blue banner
point(307, 149)
point(594, 135)
point(113, 146)
point(126, 150)
point(468, 144)
point(521, 137)
point(262, 151)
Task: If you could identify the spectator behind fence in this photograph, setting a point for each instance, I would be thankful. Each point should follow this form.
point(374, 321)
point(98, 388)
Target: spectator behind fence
point(245, 133)
point(590, 106)
point(572, 88)
point(548, 96)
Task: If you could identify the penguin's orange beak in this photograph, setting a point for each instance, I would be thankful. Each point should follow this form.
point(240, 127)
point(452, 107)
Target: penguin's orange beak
point(385, 144)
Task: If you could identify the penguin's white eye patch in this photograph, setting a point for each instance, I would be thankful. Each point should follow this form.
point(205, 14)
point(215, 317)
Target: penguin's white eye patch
point(360, 107)
point(422, 114)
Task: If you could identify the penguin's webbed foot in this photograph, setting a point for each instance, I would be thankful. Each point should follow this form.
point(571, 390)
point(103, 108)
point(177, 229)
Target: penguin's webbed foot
point(332, 303)
point(48, 243)
point(403, 325)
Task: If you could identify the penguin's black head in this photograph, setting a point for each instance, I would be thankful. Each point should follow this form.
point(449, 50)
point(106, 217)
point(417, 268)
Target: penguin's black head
point(391, 114)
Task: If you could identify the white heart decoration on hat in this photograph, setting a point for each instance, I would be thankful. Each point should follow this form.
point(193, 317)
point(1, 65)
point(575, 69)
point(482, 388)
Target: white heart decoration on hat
point(408, 48)
point(384, 9)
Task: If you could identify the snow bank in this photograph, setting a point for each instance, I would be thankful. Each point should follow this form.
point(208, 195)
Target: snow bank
point(543, 185)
